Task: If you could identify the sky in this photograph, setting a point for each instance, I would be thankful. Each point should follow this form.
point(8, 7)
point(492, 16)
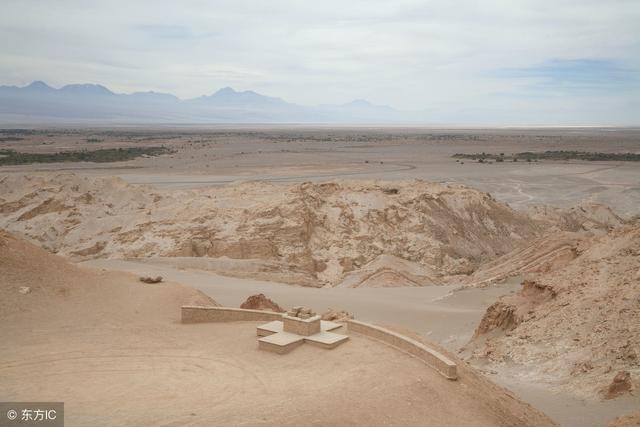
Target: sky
point(491, 62)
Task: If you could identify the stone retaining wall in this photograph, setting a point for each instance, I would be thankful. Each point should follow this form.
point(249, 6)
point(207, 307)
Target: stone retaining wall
point(434, 359)
point(195, 314)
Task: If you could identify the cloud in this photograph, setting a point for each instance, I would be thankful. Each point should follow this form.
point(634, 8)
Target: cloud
point(434, 55)
point(573, 76)
point(175, 32)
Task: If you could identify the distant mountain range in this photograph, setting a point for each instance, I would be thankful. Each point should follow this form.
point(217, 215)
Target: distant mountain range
point(92, 103)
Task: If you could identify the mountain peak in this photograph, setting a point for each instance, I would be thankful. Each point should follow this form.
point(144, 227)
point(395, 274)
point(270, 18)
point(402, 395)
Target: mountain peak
point(81, 101)
point(359, 103)
point(229, 97)
point(228, 90)
point(38, 85)
point(87, 89)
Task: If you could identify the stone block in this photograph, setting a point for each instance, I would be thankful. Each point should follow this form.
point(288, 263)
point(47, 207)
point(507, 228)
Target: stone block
point(304, 327)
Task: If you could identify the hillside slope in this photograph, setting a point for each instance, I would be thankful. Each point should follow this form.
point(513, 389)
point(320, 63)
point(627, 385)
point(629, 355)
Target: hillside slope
point(577, 326)
point(309, 234)
point(568, 231)
point(36, 285)
point(113, 349)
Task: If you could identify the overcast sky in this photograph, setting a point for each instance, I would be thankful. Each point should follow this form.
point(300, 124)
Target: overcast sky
point(488, 62)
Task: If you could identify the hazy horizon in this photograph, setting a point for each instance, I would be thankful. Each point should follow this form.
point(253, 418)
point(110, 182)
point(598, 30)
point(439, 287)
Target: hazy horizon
point(531, 63)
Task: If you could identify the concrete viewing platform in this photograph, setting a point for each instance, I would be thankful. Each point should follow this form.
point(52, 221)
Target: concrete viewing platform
point(282, 340)
point(298, 326)
point(278, 326)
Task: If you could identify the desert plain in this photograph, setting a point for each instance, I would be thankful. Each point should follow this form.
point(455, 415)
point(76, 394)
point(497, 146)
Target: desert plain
point(526, 272)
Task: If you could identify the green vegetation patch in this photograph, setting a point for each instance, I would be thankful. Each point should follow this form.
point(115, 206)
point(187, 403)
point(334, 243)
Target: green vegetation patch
point(107, 155)
point(551, 155)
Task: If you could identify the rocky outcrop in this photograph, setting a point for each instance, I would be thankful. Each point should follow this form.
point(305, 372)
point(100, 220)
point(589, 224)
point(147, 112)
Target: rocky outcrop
point(507, 313)
point(632, 420)
point(150, 279)
point(569, 232)
point(584, 217)
point(620, 385)
point(261, 302)
point(336, 315)
point(553, 251)
point(575, 326)
point(413, 233)
point(498, 316)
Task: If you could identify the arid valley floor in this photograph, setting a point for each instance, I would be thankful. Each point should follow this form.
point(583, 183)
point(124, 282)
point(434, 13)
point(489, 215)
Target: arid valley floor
point(526, 272)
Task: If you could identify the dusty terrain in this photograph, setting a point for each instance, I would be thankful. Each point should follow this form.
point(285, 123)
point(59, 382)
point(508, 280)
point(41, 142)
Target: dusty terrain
point(578, 326)
point(382, 223)
point(626, 421)
point(114, 351)
point(566, 233)
point(217, 155)
point(337, 234)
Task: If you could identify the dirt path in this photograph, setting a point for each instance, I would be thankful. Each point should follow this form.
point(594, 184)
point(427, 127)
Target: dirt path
point(425, 310)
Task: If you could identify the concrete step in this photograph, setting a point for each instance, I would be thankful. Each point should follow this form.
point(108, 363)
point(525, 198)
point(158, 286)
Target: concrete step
point(326, 339)
point(269, 328)
point(281, 342)
point(276, 326)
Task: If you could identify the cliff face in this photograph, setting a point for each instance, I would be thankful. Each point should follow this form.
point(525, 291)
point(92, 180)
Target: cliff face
point(567, 234)
point(403, 233)
point(579, 325)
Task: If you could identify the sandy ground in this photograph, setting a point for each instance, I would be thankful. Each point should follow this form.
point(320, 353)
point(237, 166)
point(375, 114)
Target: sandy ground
point(212, 374)
point(214, 156)
point(436, 313)
point(429, 310)
point(114, 351)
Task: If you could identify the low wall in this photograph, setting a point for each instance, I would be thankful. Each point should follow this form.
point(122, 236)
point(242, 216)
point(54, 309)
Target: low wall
point(434, 359)
point(198, 314)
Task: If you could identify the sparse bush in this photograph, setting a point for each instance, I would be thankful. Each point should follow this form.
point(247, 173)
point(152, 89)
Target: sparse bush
point(554, 155)
point(12, 157)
